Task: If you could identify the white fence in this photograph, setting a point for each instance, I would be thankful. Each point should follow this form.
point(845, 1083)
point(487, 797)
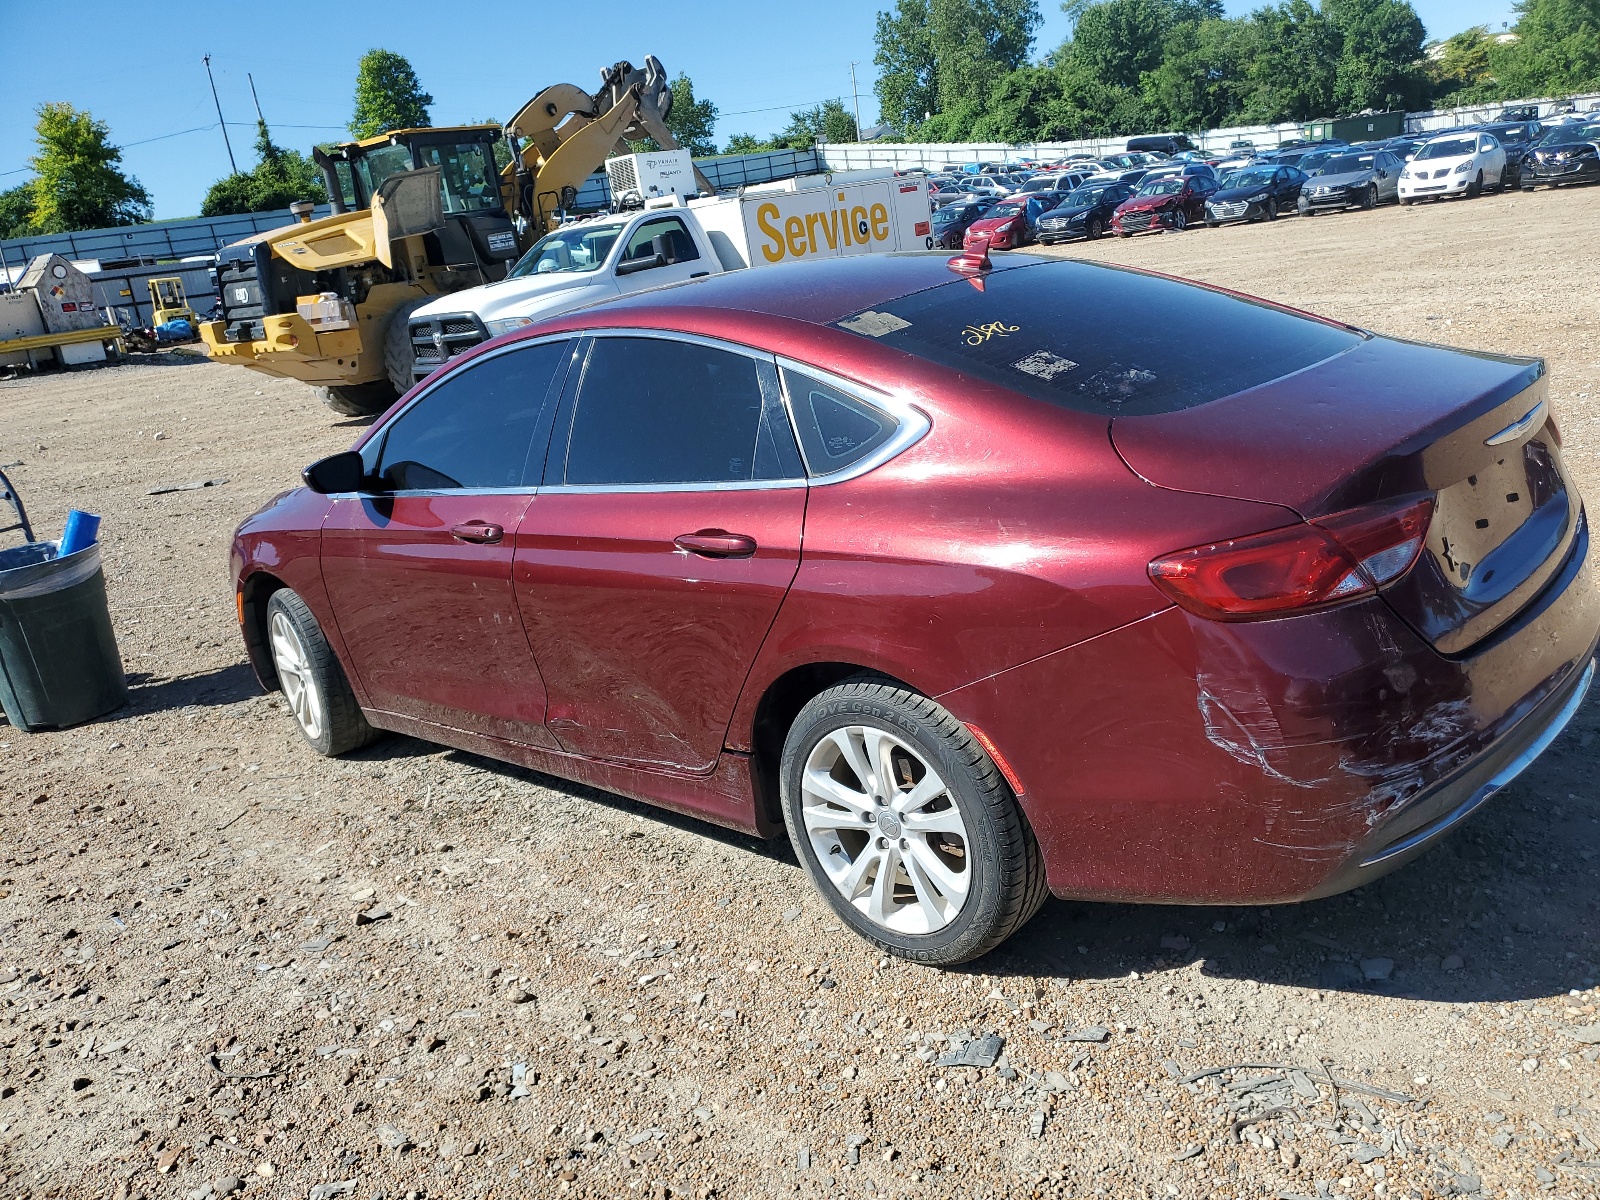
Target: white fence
point(858, 156)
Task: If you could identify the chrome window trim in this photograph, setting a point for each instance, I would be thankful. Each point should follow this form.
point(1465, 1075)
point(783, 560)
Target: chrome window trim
point(413, 493)
point(914, 424)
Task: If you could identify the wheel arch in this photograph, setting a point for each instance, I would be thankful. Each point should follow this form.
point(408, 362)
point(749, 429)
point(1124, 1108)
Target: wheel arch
point(255, 590)
point(775, 711)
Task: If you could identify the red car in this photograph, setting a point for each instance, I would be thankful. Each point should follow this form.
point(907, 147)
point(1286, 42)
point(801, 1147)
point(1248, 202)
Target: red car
point(1169, 202)
point(978, 587)
point(1005, 225)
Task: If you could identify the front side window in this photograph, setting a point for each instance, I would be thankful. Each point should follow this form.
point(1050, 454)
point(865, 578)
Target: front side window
point(658, 411)
point(465, 176)
point(476, 428)
point(378, 164)
point(676, 245)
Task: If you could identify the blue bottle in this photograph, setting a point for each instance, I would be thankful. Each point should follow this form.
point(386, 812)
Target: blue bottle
point(82, 529)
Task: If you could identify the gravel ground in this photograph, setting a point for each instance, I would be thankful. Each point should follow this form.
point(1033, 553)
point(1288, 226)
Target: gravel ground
point(228, 964)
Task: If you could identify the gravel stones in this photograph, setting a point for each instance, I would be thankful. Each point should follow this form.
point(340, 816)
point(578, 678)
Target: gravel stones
point(1089, 1033)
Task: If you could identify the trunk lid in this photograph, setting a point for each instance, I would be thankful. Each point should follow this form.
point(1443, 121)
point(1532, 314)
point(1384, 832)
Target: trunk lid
point(1384, 420)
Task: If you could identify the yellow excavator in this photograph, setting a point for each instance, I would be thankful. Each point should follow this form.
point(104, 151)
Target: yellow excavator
point(417, 213)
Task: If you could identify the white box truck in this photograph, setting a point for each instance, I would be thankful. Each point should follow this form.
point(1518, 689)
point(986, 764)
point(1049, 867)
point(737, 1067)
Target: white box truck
point(670, 241)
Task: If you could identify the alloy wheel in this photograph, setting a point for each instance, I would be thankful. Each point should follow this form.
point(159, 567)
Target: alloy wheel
point(1095, 229)
point(294, 673)
point(1272, 208)
point(886, 830)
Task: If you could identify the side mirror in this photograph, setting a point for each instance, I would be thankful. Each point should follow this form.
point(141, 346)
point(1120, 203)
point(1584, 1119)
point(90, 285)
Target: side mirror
point(634, 265)
point(337, 473)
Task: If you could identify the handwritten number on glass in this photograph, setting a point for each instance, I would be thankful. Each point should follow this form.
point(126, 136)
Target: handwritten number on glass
point(977, 335)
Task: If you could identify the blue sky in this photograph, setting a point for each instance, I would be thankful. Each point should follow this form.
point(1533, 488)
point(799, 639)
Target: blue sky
point(144, 76)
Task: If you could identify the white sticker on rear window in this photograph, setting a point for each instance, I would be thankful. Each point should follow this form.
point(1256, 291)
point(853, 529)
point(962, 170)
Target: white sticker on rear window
point(1045, 365)
point(874, 324)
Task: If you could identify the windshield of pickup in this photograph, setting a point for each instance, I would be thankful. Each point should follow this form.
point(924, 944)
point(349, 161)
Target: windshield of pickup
point(573, 250)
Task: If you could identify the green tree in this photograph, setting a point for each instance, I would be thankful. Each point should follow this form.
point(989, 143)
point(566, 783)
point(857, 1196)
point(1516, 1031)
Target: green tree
point(747, 143)
point(907, 85)
point(16, 210)
point(279, 179)
point(1463, 70)
point(388, 95)
point(829, 121)
point(1201, 81)
point(1557, 50)
point(77, 182)
point(1293, 72)
point(691, 120)
point(939, 61)
point(1380, 58)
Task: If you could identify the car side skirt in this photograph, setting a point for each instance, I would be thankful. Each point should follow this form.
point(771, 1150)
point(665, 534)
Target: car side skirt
point(725, 796)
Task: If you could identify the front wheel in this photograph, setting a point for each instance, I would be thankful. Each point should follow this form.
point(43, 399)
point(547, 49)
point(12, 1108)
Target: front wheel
point(1095, 229)
point(1475, 188)
point(1406, 201)
point(906, 826)
point(1180, 221)
point(1369, 199)
point(313, 683)
point(1272, 208)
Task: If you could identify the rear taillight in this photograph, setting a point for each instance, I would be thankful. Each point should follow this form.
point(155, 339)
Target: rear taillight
point(1325, 562)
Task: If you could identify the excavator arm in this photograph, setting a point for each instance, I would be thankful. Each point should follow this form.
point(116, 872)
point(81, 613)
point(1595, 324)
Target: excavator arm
point(563, 135)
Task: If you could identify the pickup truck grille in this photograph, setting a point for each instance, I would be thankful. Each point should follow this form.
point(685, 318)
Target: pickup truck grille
point(436, 340)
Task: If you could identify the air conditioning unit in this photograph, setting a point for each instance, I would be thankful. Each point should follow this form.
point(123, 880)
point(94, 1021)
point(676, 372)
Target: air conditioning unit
point(651, 176)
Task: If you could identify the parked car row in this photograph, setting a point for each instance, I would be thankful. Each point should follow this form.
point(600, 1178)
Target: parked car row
point(1139, 193)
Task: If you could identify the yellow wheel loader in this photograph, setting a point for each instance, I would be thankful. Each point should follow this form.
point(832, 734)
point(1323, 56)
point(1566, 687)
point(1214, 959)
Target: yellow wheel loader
point(417, 213)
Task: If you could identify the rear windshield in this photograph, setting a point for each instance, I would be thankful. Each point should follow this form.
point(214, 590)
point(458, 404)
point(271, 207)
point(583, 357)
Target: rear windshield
point(1101, 339)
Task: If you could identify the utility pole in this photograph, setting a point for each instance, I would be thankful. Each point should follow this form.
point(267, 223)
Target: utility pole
point(857, 95)
point(255, 97)
point(207, 60)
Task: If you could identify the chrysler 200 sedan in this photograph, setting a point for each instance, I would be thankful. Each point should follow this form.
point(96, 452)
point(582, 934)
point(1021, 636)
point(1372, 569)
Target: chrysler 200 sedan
point(977, 585)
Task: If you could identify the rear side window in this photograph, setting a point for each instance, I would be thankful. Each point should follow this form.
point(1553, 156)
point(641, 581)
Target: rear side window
point(658, 411)
point(476, 428)
point(1102, 339)
point(837, 430)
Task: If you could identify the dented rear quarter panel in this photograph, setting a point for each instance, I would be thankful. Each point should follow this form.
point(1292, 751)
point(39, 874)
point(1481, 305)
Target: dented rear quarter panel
point(1188, 761)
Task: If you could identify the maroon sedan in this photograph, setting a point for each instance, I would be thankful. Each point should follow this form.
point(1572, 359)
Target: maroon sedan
point(978, 587)
point(1170, 202)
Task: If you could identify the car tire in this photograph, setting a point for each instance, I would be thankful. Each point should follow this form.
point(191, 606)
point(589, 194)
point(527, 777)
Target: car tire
point(358, 399)
point(975, 876)
point(1406, 201)
point(1475, 188)
point(313, 683)
point(1094, 229)
point(1272, 208)
point(1369, 199)
point(1180, 221)
point(399, 356)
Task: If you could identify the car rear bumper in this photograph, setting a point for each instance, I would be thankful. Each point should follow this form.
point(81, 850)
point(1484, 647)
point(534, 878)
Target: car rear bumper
point(1185, 761)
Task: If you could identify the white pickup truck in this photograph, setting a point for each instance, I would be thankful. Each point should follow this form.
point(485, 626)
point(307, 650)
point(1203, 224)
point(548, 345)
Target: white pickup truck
point(669, 242)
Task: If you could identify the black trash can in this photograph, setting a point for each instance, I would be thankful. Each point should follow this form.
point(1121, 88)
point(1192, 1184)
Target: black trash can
point(59, 663)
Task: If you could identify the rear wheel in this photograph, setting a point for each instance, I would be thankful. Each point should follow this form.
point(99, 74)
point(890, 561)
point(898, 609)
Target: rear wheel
point(358, 399)
point(313, 683)
point(905, 825)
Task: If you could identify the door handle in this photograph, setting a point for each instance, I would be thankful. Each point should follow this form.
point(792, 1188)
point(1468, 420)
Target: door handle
point(716, 543)
point(699, 274)
point(477, 532)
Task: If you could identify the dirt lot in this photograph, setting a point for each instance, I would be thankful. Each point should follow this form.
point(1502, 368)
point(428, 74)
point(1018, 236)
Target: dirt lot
point(574, 994)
